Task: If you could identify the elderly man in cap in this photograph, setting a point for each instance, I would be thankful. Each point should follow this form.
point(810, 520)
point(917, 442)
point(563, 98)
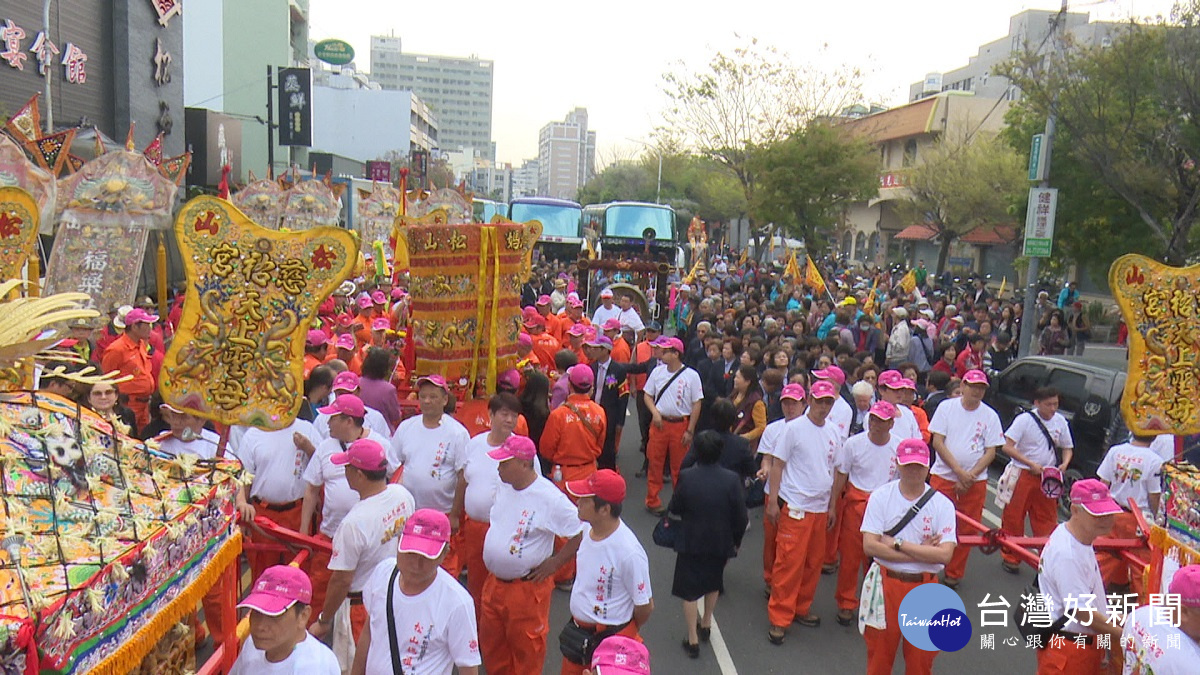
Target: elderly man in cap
point(966, 433)
point(421, 619)
point(608, 550)
point(900, 338)
point(1156, 641)
point(673, 394)
point(607, 310)
point(367, 533)
point(528, 513)
point(1073, 589)
point(129, 355)
point(280, 607)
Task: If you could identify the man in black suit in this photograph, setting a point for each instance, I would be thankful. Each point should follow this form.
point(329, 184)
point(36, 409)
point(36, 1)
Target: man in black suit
point(612, 393)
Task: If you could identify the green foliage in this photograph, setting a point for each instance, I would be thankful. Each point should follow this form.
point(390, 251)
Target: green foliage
point(806, 180)
point(692, 185)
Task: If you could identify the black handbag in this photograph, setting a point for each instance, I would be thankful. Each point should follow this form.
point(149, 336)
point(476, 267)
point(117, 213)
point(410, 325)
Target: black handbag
point(577, 644)
point(756, 493)
point(666, 531)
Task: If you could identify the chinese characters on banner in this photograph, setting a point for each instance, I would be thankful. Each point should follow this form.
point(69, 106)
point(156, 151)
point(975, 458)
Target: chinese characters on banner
point(252, 295)
point(18, 230)
point(295, 106)
point(167, 9)
point(46, 51)
point(1159, 305)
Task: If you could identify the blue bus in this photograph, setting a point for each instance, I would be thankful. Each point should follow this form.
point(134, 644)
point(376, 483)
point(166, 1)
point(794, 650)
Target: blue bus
point(631, 226)
point(562, 236)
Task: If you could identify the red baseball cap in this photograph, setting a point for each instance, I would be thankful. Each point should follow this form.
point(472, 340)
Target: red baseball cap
point(426, 533)
point(912, 451)
point(346, 404)
point(1093, 496)
point(831, 372)
point(792, 391)
point(822, 389)
point(535, 321)
point(364, 301)
point(670, 343)
point(574, 301)
point(278, 588)
point(605, 484)
point(606, 293)
point(379, 298)
point(883, 410)
point(515, 447)
point(364, 454)
point(345, 381)
point(578, 330)
point(888, 378)
point(581, 376)
point(600, 341)
point(620, 655)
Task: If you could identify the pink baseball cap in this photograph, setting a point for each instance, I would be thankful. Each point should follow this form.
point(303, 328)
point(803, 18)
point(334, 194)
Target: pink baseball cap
point(670, 343)
point(1185, 584)
point(345, 381)
point(345, 320)
point(364, 454)
point(883, 410)
point(315, 338)
point(833, 373)
point(528, 313)
point(1052, 482)
point(434, 379)
point(379, 298)
point(577, 330)
point(905, 383)
point(888, 378)
point(426, 533)
point(397, 293)
point(912, 451)
point(1093, 496)
point(620, 655)
point(605, 484)
point(515, 447)
point(509, 379)
point(345, 341)
point(574, 301)
point(792, 391)
point(600, 341)
point(535, 321)
point(606, 293)
point(581, 376)
point(364, 301)
point(139, 315)
point(381, 323)
point(822, 389)
point(278, 588)
point(346, 404)
point(525, 339)
point(975, 377)
point(612, 324)
point(543, 300)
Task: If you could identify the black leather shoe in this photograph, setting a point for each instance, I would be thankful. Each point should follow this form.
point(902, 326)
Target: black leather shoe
point(704, 633)
point(693, 650)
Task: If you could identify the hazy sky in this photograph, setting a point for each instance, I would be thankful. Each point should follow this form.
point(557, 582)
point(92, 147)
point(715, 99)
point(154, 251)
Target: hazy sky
point(551, 56)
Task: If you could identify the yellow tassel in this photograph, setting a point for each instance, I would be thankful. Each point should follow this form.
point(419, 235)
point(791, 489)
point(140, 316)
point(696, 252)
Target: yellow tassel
point(64, 628)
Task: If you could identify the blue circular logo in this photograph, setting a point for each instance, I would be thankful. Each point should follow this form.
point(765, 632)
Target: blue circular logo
point(933, 618)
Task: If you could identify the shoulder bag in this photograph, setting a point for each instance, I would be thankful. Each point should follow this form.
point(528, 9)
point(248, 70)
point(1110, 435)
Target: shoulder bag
point(393, 645)
point(1046, 432)
point(577, 644)
point(911, 513)
point(659, 395)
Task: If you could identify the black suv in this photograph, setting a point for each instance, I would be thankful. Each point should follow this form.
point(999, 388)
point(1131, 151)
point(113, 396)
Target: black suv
point(1089, 398)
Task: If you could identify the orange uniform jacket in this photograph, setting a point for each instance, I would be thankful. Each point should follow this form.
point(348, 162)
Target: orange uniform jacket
point(475, 416)
point(641, 354)
point(545, 346)
point(621, 351)
point(567, 440)
point(130, 358)
point(554, 326)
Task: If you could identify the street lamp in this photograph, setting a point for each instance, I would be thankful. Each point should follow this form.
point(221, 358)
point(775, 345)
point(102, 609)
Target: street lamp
point(658, 189)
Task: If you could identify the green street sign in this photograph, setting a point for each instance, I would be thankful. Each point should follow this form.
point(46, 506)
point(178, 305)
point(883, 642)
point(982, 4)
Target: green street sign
point(1039, 222)
point(334, 52)
point(1035, 157)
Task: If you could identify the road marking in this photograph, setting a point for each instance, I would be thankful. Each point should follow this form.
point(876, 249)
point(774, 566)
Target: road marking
point(720, 650)
point(988, 516)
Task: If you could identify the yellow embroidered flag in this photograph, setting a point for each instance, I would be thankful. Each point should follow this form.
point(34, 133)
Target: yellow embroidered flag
point(792, 269)
point(869, 304)
point(909, 281)
point(1003, 283)
point(745, 256)
point(813, 276)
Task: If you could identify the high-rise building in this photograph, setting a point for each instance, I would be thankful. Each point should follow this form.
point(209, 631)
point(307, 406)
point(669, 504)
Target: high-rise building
point(458, 89)
point(365, 124)
point(566, 156)
point(492, 182)
point(525, 179)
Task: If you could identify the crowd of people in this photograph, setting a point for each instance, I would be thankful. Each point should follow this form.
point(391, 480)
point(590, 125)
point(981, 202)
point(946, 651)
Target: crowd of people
point(843, 414)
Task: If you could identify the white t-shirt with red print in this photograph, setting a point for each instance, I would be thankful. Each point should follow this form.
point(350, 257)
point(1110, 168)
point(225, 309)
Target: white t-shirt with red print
point(868, 465)
point(968, 434)
point(435, 629)
point(523, 526)
point(612, 576)
point(809, 451)
point(1132, 472)
point(368, 534)
point(338, 497)
point(888, 505)
point(431, 458)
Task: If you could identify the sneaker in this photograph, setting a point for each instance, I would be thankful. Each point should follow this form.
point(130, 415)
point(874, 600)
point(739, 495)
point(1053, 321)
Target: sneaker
point(845, 617)
point(775, 635)
point(829, 569)
point(811, 620)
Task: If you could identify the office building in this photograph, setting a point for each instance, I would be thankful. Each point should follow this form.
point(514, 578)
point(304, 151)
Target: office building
point(525, 179)
point(566, 156)
point(365, 124)
point(492, 182)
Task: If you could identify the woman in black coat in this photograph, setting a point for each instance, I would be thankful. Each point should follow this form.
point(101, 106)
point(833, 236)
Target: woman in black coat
point(710, 502)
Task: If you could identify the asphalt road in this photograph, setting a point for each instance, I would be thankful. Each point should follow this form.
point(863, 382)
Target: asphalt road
point(739, 641)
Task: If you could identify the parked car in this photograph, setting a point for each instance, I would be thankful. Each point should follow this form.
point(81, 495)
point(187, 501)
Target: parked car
point(1089, 397)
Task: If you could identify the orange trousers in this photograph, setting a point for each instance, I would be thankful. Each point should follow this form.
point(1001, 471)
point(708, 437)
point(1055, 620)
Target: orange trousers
point(882, 644)
point(665, 445)
point(971, 504)
point(317, 567)
point(799, 547)
point(851, 508)
point(290, 519)
point(1115, 569)
point(473, 533)
point(769, 531)
point(1027, 498)
point(451, 563)
point(140, 409)
point(514, 623)
point(569, 668)
point(358, 619)
point(833, 537)
point(566, 573)
point(1067, 658)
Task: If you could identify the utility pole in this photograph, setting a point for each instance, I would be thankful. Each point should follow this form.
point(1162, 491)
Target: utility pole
point(271, 121)
point(49, 74)
point(1029, 316)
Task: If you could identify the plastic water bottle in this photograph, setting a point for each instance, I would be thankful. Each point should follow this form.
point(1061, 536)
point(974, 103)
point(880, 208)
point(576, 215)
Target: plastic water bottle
point(557, 475)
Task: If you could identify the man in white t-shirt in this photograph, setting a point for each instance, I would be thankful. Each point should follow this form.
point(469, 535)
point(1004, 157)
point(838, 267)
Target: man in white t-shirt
point(892, 389)
point(791, 401)
point(865, 462)
point(187, 435)
point(1027, 446)
point(1131, 471)
point(629, 317)
point(433, 615)
point(325, 483)
point(481, 478)
point(530, 511)
point(1153, 644)
point(366, 535)
point(800, 498)
point(912, 556)
point(278, 644)
point(607, 310)
point(673, 394)
point(1069, 570)
point(612, 581)
point(1163, 445)
point(966, 433)
point(347, 383)
point(432, 448)
point(276, 459)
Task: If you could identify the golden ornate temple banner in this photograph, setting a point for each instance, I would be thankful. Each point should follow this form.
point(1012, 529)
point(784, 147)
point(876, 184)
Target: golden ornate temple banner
point(18, 230)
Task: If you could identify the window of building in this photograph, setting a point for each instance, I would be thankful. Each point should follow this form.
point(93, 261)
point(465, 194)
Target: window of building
point(910, 152)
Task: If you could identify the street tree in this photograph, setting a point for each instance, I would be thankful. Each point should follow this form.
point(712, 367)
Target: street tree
point(1132, 112)
point(962, 181)
point(806, 180)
